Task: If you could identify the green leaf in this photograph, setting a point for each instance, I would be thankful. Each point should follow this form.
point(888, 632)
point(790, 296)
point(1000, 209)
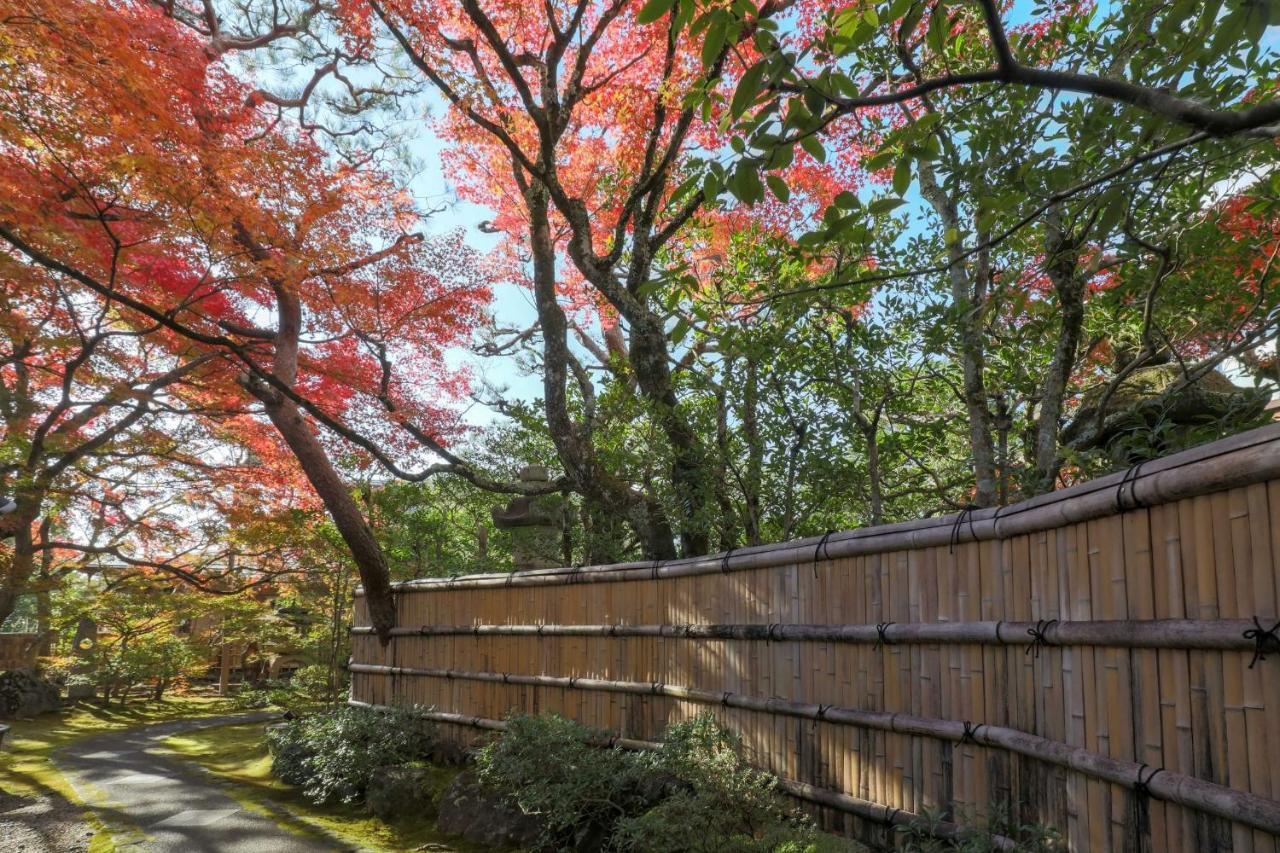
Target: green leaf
point(902, 176)
point(748, 88)
point(939, 29)
point(782, 156)
point(884, 205)
point(714, 41)
point(878, 161)
point(653, 10)
point(778, 187)
point(681, 329)
point(846, 200)
point(814, 147)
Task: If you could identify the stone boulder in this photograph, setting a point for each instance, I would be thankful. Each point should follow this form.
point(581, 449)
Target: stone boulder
point(485, 818)
point(24, 693)
point(1156, 398)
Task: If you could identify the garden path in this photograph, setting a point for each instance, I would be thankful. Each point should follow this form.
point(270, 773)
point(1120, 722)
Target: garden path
point(154, 803)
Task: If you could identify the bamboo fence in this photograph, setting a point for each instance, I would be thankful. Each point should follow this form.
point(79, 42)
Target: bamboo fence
point(1102, 659)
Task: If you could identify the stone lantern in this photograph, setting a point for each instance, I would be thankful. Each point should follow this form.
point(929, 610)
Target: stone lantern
point(535, 523)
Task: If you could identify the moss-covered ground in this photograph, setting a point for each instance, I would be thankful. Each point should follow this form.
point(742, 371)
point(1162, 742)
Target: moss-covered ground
point(26, 766)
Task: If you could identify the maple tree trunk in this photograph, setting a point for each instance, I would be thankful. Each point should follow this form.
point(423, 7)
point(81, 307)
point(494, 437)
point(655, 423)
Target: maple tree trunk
point(21, 565)
point(346, 515)
point(44, 608)
point(972, 354)
point(606, 494)
point(1068, 286)
point(319, 470)
point(689, 463)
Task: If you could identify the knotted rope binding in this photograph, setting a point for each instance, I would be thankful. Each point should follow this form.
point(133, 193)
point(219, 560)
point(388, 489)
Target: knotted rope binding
point(965, 514)
point(882, 638)
point(1142, 787)
point(1039, 636)
point(821, 549)
point(724, 700)
point(1130, 479)
point(724, 561)
point(1261, 637)
point(970, 732)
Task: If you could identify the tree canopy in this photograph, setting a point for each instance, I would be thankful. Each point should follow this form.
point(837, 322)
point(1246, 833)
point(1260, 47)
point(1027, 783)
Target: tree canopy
point(793, 265)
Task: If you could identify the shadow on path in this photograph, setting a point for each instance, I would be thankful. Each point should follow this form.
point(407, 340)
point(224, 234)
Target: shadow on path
point(154, 803)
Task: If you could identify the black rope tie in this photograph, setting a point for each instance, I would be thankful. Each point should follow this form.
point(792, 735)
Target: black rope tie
point(656, 687)
point(821, 550)
point(970, 732)
point(724, 700)
point(1261, 638)
point(656, 565)
point(613, 630)
point(966, 514)
point(999, 639)
point(540, 628)
point(1129, 479)
point(891, 815)
point(476, 630)
point(573, 682)
point(613, 741)
point(1142, 787)
point(506, 678)
point(882, 637)
point(822, 712)
point(770, 632)
point(1039, 638)
point(724, 561)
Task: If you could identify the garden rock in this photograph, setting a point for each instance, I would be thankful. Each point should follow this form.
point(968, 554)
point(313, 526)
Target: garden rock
point(23, 693)
point(485, 818)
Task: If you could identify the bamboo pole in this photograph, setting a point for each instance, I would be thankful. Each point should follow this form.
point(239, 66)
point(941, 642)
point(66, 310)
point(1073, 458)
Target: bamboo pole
point(1240, 806)
point(1224, 634)
point(800, 790)
point(1239, 460)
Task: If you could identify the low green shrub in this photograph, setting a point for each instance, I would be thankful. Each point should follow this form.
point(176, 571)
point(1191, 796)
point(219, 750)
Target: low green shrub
point(980, 835)
point(723, 804)
point(694, 795)
point(333, 755)
point(548, 767)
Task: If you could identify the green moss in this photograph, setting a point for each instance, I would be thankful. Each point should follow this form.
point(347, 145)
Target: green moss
point(238, 754)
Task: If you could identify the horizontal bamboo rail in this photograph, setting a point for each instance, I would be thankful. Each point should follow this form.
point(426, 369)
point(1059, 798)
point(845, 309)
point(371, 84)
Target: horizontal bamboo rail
point(1223, 634)
point(1240, 460)
point(1241, 806)
point(800, 790)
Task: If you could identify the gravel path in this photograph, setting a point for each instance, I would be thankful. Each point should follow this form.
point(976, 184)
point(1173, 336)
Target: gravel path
point(154, 803)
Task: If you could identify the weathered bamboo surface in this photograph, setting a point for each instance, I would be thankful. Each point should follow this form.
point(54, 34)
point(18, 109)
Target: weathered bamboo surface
point(1094, 641)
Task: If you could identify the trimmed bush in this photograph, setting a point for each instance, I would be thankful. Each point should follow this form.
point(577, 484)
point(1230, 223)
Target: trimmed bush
point(694, 795)
point(547, 766)
point(723, 804)
point(333, 755)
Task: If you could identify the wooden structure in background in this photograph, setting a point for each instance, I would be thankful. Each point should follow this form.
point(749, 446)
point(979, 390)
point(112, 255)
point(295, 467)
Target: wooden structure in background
point(17, 651)
point(1102, 659)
